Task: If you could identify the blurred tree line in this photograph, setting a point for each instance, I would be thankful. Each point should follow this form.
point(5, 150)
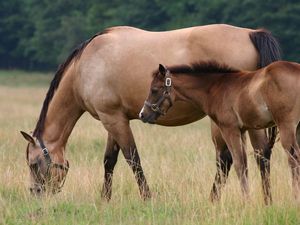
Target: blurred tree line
point(40, 34)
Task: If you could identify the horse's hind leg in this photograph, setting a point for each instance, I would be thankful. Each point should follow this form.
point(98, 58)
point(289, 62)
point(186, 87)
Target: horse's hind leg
point(235, 140)
point(223, 162)
point(289, 143)
point(110, 160)
point(118, 127)
point(262, 150)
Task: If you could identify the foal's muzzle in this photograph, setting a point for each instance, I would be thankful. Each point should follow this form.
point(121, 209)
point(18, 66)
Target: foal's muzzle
point(154, 109)
point(150, 118)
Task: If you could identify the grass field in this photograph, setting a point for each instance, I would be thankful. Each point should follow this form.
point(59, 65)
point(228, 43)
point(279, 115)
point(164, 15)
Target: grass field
point(179, 164)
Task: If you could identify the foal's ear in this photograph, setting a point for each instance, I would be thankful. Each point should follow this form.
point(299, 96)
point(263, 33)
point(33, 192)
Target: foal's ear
point(162, 69)
point(28, 137)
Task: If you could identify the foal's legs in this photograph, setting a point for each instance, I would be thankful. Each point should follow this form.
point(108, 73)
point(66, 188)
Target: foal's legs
point(223, 162)
point(118, 127)
point(289, 143)
point(110, 160)
point(262, 150)
point(235, 140)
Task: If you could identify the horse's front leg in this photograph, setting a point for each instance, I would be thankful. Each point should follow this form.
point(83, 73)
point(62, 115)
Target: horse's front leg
point(235, 140)
point(223, 162)
point(110, 160)
point(118, 127)
point(262, 153)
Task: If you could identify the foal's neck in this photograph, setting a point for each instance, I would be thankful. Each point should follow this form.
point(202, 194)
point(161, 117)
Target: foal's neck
point(195, 89)
point(62, 115)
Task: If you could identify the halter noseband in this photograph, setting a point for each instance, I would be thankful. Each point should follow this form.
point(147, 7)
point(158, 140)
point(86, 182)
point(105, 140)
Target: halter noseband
point(51, 164)
point(155, 107)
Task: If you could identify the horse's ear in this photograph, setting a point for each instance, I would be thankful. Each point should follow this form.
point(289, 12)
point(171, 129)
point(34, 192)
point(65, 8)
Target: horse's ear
point(162, 69)
point(28, 137)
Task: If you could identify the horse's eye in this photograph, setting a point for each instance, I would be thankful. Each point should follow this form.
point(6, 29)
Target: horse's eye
point(34, 167)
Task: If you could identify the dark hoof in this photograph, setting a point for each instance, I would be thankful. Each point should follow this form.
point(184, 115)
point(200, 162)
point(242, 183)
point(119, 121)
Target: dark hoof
point(214, 197)
point(146, 195)
point(106, 195)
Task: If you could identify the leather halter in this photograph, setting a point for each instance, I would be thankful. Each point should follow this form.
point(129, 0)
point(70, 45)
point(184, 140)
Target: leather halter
point(155, 107)
point(51, 164)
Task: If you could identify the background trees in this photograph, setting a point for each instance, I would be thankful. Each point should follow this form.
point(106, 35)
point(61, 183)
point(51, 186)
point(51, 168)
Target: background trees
point(39, 34)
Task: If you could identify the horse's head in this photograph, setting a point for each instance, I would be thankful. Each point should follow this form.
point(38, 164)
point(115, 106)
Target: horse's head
point(45, 175)
point(160, 98)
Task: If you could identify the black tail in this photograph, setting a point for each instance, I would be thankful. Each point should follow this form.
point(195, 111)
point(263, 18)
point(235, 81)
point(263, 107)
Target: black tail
point(267, 47)
point(269, 51)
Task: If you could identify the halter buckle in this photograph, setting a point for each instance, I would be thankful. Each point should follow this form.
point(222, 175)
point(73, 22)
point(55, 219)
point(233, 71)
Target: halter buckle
point(168, 82)
point(45, 151)
point(154, 107)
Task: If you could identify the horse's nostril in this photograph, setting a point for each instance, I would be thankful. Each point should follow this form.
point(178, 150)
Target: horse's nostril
point(38, 190)
point(31, 190)
point(141, 115)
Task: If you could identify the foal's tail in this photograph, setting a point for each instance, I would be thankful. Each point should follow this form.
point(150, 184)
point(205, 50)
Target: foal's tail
point(269, 51)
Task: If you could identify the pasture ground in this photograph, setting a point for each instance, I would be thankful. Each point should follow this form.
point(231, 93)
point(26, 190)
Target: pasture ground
point(179, 164)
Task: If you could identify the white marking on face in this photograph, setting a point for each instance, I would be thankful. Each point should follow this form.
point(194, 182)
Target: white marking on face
point(140, 114)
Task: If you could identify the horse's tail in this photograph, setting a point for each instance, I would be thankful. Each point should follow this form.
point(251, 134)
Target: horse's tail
point(269, 51)
point(267, 46)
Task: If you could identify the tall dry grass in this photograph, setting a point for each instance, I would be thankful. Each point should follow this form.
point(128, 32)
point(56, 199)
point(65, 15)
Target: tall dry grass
point(179, 163)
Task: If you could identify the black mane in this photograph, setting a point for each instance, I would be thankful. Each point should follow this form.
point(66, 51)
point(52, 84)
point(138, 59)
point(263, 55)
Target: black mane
point(55, 83)
point(202, 67)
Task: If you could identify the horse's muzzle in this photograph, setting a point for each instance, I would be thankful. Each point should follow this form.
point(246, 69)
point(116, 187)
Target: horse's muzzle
point(150, 118)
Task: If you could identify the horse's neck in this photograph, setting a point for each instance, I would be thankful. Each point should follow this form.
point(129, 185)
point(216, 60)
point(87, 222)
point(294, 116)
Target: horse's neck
point(195, 89)
point(62, 115)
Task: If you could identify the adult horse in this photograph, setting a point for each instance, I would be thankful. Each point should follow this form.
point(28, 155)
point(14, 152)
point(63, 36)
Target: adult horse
point(249, 100)
point(98, 77)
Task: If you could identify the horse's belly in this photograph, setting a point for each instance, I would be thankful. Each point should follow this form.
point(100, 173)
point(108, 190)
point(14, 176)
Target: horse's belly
point(259, 117)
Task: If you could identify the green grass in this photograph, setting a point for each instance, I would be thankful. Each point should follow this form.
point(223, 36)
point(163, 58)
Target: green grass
point(17, 78)
point(179, 164)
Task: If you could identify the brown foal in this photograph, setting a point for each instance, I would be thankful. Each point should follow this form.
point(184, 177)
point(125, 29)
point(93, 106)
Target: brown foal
point(236, 101)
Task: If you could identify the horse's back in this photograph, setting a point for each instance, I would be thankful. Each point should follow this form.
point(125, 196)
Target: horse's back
point(222, 43)
point(281, 74)
point(117, 65)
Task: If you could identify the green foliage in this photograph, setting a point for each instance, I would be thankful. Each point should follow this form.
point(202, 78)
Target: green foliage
point(39, 34)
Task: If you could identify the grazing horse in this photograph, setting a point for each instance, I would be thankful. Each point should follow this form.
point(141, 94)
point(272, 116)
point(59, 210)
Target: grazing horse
point(236, 101)
point(98, 78)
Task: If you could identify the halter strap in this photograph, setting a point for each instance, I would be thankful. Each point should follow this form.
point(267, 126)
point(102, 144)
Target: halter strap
point(45, 152)
point(155, 107)
point(51, 164)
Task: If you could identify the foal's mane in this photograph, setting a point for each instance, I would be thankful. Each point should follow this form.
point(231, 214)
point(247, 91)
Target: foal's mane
point(55, 83)
point(202, 67)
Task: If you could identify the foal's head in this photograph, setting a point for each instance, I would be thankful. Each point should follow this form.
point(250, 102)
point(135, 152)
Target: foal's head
point(45, 175)
point(160, 98)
